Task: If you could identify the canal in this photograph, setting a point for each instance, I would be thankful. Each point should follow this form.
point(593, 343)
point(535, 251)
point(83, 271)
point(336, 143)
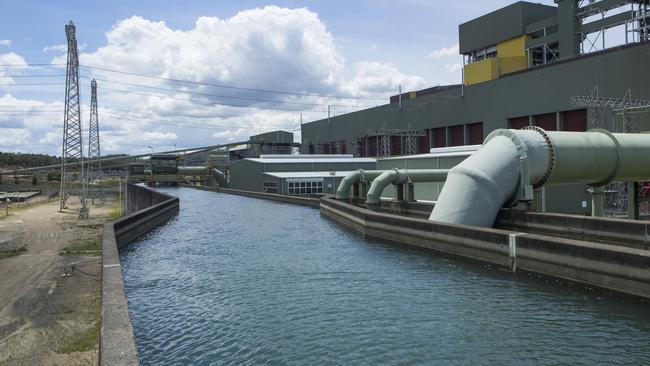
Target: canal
point(238, 281)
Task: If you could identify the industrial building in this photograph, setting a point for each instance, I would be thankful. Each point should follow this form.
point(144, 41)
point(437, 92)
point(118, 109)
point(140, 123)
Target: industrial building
point(523, 65)
point(274, 142)
point(295, 174)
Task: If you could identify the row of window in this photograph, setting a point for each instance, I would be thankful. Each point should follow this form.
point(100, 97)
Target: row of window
point(309, 187)
point(270, 187)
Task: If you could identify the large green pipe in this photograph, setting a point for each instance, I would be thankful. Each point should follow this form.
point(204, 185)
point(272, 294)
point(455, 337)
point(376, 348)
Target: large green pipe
point(512, 162)
point(398, 176)
point(343, 190)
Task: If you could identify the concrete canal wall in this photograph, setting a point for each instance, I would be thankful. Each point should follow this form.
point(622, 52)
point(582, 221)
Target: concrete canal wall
point(145, 210)
point(296, 200)
point(619, 267)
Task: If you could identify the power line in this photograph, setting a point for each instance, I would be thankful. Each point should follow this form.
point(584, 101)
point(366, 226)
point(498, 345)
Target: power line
point(184, 125)
point(216, 95)
point(204, 103)
point(32, 76)
point(32, 65)
point(228, 86)
point(199, 83)
point(185, 100)
point(31, 84)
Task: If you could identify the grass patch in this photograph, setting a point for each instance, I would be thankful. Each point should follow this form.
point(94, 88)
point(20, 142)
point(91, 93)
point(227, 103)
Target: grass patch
point(84, 246)
point(12, 252)
point(116, 211)
point(84, 341)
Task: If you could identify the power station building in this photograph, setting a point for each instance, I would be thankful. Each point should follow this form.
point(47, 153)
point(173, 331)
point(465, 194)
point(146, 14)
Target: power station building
point(524, 65)
point(295, 174)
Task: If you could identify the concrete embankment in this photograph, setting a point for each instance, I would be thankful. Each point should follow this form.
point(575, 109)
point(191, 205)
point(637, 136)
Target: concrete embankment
point(145, 210)
point(296, 200)
point(619, 267)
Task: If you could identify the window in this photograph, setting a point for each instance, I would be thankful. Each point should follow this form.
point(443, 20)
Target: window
point(270, 187)
point(295, 188)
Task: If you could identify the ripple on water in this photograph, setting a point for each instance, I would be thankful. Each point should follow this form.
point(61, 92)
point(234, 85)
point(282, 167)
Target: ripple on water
point(241, 281)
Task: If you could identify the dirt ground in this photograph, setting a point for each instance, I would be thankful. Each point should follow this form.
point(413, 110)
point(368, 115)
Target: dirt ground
point(46, 317)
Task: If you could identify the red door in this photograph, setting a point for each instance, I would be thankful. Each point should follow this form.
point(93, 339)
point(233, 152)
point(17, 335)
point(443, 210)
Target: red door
point(575, 120)
point(475, 132)
point(457, 135)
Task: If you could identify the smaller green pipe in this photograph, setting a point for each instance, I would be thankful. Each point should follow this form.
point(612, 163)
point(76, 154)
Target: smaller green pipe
point(343, 190)
point(400, 177)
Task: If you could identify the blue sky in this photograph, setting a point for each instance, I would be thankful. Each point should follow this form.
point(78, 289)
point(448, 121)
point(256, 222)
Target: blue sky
point(355, 49)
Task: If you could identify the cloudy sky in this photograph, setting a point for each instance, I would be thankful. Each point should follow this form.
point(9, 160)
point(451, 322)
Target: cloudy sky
point(203, 72)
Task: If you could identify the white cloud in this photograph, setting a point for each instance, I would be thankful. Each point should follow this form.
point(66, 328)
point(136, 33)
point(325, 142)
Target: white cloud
point(56, 47)
point(14, 136)
point(10, 58)
point(445, 52)
point(269, 48)
point(5, 42)
point(373, 78)
point(454, 67)
point(159, 136)
point(232, 135)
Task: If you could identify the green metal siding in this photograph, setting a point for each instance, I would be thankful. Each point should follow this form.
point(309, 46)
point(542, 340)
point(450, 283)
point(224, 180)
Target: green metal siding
point(546, 89)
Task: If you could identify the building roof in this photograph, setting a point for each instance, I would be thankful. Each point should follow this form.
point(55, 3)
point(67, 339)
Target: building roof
point(440, 152)
point(337, 174)
point(304, 156)
point(288, 160)
point(238, 147)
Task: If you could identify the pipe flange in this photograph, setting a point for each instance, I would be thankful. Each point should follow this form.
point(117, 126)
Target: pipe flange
point(551, 155)
point(614, 173)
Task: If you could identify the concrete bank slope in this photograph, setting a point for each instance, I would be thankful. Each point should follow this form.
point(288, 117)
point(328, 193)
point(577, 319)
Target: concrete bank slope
point(618, 267)
point(145, 209)
point(296, 200)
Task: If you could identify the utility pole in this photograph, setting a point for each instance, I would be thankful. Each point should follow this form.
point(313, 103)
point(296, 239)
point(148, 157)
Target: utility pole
point(94, 151)
point(72, 132)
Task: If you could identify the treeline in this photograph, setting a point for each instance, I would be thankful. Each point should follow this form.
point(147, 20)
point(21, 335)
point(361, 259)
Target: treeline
point(20, 160)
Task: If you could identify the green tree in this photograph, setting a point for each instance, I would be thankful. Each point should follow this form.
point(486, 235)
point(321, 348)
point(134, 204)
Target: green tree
point(34, 180)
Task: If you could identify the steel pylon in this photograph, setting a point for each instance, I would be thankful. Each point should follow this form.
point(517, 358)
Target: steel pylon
point(72, 131)
point(94, 152)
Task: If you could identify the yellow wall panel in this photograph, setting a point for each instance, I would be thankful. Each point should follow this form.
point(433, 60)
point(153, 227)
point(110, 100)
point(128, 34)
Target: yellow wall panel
point(480, 71)
point(512, 64)
point(513, 47)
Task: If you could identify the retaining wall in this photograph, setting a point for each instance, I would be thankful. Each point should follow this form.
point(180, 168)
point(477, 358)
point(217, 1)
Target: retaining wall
point(631, 233)
point(615, 267)
point(145, 209)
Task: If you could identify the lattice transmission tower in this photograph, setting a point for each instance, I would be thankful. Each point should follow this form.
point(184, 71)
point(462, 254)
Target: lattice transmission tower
point(94, 151)
point(72, 131)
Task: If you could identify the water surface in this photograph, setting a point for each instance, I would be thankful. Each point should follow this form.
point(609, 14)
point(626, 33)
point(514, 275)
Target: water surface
point(242, 281)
